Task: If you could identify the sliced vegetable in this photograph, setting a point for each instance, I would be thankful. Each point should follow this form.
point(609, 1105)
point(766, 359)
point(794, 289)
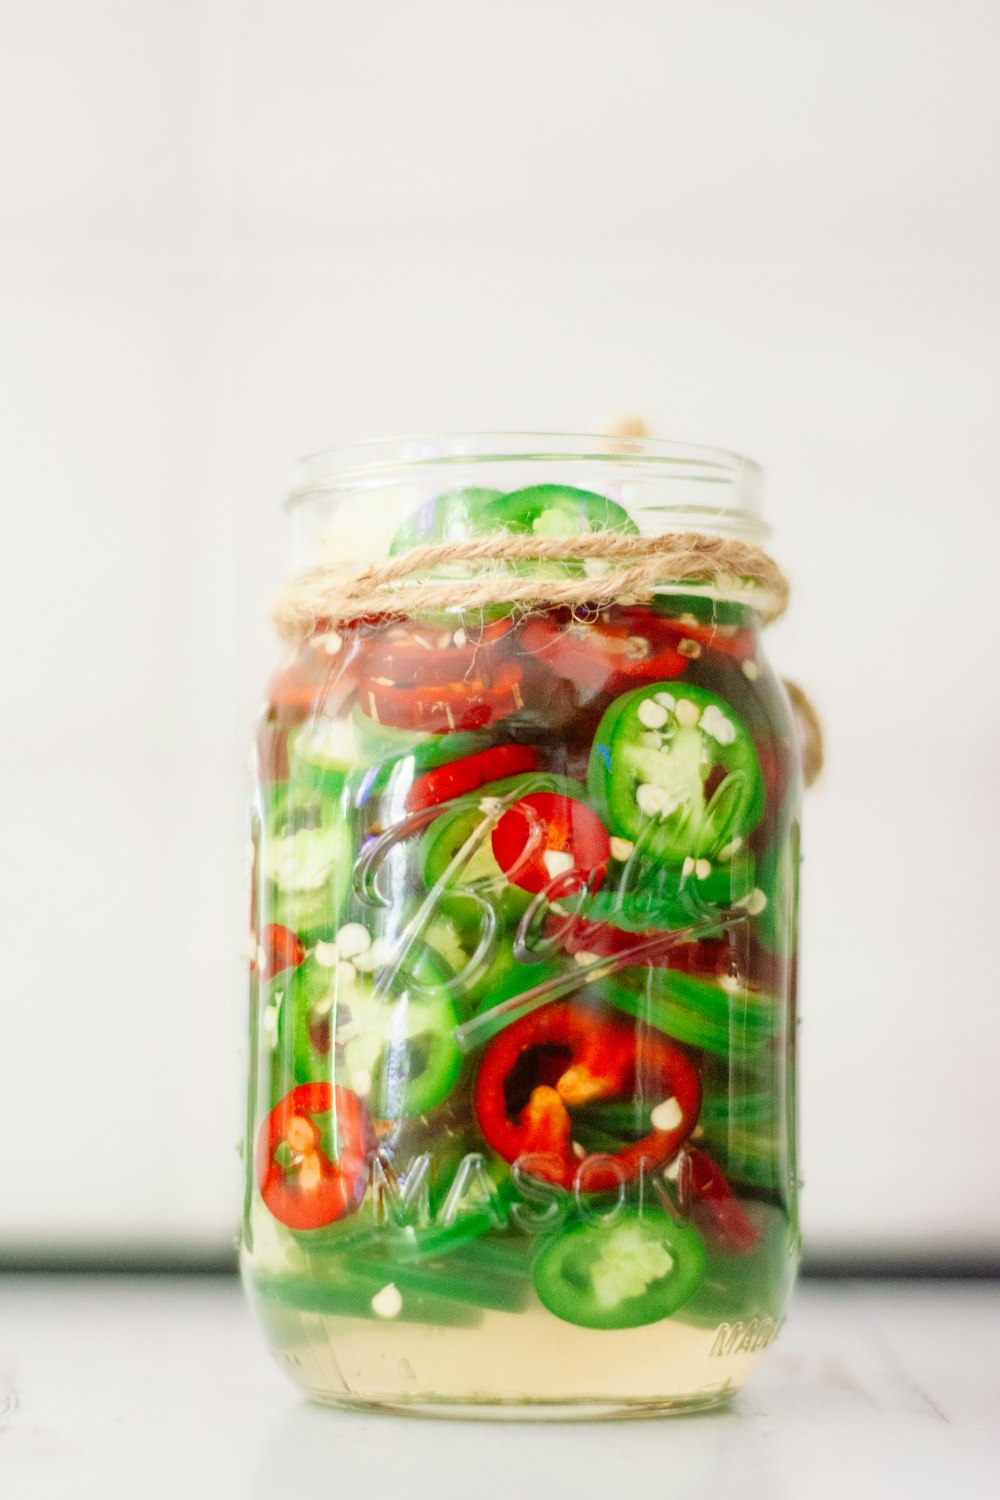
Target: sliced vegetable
point(546, 838)
point(700, 609)
point(675, 772)
point(380, 743)
point(777, 918)
point(565, 1055)
point(639, 1269)
point(305, 862)
point(656, 947)
point(416, 654)
point(713, 626)
point(557, 510)
point(746, 1292)
point(338, 1293)
point(419, 677)
point(725, 1020)
point(460, 777)
point(650, 894)
point(409, 1054)
point(451, 516)
point(318, 671)
point(604, 655)
point(473, 818)
point(460, 704)
point(757, 1157)
point(323, 752)
point(279, 950)
point(300, 1184)
point(454, 1280)
point(706, 1196)
point(397, 1053)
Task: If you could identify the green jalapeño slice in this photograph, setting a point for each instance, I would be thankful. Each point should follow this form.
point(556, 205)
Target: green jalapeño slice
point(558, 510)
point(450, 517)
point(397, 1053)
point(637, 1270)
point(674, 771)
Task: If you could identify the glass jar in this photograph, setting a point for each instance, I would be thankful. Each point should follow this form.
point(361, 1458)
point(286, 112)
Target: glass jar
point(520, 1134)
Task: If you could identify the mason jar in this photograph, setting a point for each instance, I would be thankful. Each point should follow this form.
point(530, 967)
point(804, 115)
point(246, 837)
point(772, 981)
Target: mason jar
point(525, 829)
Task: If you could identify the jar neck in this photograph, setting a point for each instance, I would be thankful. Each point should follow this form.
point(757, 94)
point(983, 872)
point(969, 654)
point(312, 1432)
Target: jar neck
point(351, 506)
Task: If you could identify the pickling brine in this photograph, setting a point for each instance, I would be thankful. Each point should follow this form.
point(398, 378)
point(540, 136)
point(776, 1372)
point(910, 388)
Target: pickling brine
point(520, 1134)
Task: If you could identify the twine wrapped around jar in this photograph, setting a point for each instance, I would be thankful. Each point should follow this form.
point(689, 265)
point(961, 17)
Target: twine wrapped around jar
point(623, 569)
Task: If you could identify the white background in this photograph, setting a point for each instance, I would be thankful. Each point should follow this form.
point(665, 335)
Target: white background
point(231, 233)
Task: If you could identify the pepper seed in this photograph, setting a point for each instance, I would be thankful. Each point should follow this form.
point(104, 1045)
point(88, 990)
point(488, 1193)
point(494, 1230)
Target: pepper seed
point(353, 939)
point(388, 1303)
point(651, 713)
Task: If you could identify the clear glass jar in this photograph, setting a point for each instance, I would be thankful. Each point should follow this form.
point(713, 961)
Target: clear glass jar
point(520, 1134)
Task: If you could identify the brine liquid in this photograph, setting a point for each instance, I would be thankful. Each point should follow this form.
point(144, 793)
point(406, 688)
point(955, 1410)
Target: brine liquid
point(510, 1362)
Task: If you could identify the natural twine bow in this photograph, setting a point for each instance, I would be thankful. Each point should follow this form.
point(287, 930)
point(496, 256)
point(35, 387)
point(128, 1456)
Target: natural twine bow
point(624, 569)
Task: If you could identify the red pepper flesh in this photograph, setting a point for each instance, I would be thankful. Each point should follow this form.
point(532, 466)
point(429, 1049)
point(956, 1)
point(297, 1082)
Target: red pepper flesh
point(581, 1057)
point(604, 656)
point(471, 772)
point(469, 703)
point(280, 949)
point(312, 1190)
point(412, 655)
point(546, 837)
point(707, 1196)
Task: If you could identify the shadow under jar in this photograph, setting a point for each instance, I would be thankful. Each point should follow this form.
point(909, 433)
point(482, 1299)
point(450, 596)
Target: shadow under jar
point(520, 1131)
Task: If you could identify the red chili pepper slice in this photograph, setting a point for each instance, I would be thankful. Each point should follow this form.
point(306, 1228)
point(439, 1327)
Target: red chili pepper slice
point(740, 644)
point(712, 956)
point(318, 670)
point(546, 836)
point(472, 771)
point(563, 1056)
point(444, 707)
point(412, 655)
point(311, 1190)
point(280, 949)
point(605, 656)
point(704, 1192)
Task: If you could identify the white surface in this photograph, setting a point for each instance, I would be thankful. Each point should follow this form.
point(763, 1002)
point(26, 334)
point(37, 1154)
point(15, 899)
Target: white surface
point(230, 233)
point(163, 1388)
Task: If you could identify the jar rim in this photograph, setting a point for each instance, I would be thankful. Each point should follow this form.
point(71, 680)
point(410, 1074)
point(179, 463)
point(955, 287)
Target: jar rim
point(736, 480)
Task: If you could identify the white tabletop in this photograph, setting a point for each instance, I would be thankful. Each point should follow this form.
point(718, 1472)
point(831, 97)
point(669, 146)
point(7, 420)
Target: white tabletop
point(147, 1388)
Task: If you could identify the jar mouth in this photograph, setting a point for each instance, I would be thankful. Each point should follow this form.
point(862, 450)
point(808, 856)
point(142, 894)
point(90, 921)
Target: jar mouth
point(670, 484)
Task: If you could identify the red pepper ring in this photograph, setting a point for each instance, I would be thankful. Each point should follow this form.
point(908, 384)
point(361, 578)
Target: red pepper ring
point(279, 949)
point(547, 837)
point(709, 956)
point(741, 644)
point(460, 777)
point(314, 1191)
point(603, 656)
point(705, 1194)
point(580, 1057)
point(413, 655)
point(441, 708)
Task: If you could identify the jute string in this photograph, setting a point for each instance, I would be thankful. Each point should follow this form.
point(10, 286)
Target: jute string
point(635, 567)
point(632, 570)
point(810, 728)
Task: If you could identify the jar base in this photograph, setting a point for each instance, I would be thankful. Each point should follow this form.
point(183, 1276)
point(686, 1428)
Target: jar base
point(527, 1411)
